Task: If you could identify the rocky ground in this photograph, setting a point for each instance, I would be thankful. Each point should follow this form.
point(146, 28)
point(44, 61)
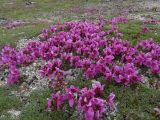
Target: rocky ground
point(133, 9)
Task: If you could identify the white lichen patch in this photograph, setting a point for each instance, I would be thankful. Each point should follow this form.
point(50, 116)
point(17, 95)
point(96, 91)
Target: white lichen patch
point(14, 113)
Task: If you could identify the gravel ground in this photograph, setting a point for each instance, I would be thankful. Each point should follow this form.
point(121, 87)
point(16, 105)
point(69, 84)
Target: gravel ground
point(133, 9)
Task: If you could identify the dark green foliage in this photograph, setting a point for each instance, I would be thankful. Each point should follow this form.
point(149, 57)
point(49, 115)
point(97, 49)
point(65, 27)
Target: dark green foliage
point(132, 31)
point(8, 100)
point(135, 102)
point(36, 108)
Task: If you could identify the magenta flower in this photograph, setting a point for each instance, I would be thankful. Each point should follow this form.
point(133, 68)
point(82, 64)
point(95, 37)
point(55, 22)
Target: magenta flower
point(110, 100)
point(95, 109)
point(89, 114)
point(98, 88)
point(85, 98)
point(71, 94)
point(49, 104)
point(86, 101)
point(52, 28)
point(13, 75)
point(145, 29)
point(58, 99)
point(90, 73)
point(126, 74)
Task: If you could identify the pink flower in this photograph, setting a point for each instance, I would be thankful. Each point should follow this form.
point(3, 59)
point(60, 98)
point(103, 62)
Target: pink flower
point(145, 29)
point(110, 100)
point(49, 104)
point(86, 101)
point(85, 97)
point(13, 75)
point(90, 73)
point(89, 114)
point(126, 74)
point(52, 28)
point(58, 99)
point(70, 95)
point(98, 88)
point(95, 109)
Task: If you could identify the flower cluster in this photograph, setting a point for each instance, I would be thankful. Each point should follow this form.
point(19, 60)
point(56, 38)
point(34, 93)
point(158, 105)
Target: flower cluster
point(149, 56)
point(51, 68)
point(86, 45)
point(9, 58)
point(14, 75)
point(126, 74)
point(88, 101)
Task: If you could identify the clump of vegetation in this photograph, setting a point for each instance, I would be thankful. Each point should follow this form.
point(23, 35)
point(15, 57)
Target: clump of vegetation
point(99, 53)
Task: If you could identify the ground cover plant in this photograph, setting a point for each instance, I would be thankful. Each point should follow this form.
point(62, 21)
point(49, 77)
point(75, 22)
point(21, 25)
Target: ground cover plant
point(86, 68)
point(103, 56)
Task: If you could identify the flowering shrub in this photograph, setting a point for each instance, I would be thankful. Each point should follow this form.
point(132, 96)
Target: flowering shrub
point(89, 102)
